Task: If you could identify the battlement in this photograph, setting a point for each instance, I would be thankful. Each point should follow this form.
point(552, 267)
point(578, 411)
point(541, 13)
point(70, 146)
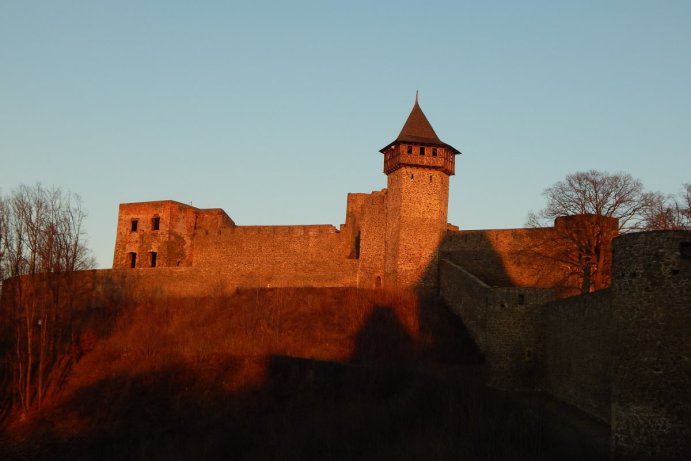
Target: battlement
point(312, 229)
point(434, 157)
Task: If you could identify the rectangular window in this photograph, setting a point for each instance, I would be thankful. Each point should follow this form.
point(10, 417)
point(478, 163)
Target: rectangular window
point(434, 152)
point(155, 223)
point(409, 150)
point(153, 258)
point(521, 299)
point(134, 224)
point(422, 150)
point(133, 260)
point(685, 250)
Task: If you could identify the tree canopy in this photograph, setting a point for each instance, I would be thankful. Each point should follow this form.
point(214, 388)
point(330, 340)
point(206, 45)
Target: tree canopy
point(42, 230)
point(617, 195)
point(598, 197)
point(594, 192)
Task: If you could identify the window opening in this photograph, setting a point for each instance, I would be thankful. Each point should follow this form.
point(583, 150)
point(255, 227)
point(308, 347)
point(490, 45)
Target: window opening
point(685, 250)
point(434, 152)
point(422, 150)
point(412, 177)
point(153, 258)
point(134, 225)
point(357, 245)
point(133, 260)
point(155, 223)
point(377, 282)
point(409, 150)
point(521, 299)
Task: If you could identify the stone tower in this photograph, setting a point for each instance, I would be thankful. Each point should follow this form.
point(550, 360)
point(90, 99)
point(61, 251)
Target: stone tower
point(418, 165)
point(651, 319)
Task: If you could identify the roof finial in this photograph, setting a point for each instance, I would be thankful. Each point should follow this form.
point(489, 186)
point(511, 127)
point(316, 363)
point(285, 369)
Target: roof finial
point(416, 94)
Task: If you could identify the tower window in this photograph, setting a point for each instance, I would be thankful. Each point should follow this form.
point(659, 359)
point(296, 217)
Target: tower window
point(422, 150)
point(133, 260)
point(357, 245)
point(134, 224)
point(409, 150)
point(685, 250)
point(155, 223)
point(153, 258)
point(434, 152)
point(412, 177)
point(528, 354)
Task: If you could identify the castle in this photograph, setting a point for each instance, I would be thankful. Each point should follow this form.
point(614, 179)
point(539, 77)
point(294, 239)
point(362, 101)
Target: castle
point(619, 352)
point(392, 238)
point(605, 331)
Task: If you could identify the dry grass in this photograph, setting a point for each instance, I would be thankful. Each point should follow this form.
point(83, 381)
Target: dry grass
point(278, 374)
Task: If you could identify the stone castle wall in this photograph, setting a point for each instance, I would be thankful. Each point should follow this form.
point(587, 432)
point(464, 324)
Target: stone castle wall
point(172, 240)
point(317, 255)
point(505, 323)
point(278, 255)
point(467, 297)
point(578, 352)
point(544, 257)
point(621, 355)
point(390, 239)
point(369, 222)
point(651, 380)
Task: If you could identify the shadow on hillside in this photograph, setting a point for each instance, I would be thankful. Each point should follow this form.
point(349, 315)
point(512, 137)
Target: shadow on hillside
point(388, 401)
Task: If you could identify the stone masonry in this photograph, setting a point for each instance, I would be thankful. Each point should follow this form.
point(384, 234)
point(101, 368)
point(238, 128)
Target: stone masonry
point(391, 238)
point(620, 352)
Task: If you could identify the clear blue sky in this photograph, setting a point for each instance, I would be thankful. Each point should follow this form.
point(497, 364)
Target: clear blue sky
point(274, 111)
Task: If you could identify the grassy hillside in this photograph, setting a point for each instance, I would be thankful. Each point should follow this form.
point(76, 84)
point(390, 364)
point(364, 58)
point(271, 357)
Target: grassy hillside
point(277, 374)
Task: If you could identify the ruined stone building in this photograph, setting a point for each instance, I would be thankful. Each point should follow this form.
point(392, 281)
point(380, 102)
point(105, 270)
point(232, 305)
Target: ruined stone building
point(392, 238)
point(620, 352)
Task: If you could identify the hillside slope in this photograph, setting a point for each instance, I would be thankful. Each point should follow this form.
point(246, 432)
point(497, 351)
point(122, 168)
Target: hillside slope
point(277, 374)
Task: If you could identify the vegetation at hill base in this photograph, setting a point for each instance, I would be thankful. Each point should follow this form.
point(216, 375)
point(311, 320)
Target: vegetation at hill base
point(280, 374)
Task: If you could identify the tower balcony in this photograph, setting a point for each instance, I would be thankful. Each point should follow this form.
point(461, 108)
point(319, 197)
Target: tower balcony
point(425, 156)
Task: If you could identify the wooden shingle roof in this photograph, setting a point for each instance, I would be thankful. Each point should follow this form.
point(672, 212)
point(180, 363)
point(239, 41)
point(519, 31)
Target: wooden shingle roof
point(418, 130)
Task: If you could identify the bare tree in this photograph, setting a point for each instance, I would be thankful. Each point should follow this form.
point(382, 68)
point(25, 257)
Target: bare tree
point(601, 204)
point(668, 212)
point(41, 232)
point(596, 193)
point(4, 218)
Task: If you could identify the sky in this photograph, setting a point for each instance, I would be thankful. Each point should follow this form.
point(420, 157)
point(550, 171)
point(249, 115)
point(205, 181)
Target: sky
point(274, 111)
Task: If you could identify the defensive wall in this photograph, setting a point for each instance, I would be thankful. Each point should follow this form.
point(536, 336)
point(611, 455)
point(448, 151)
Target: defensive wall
point(622, 355)
point(380, 244)
point(542, 257)
point(168, 234)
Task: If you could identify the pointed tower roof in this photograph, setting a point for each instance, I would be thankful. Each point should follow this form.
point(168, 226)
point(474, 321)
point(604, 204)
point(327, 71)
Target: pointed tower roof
point(418, 130)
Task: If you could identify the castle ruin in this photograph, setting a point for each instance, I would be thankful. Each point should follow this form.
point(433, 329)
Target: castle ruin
point(606, 333)
point(392, 238)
